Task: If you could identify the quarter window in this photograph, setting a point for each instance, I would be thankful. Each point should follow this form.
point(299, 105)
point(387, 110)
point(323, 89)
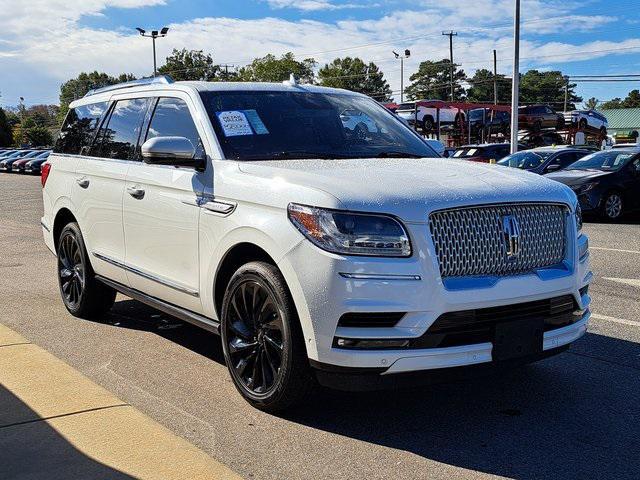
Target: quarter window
point(79, 128)
point(119, 137)
point(171, 118)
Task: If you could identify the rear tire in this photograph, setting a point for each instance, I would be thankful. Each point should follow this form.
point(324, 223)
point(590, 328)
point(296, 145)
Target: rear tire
point(427, 124)
point(262, 339)
point(83, 295)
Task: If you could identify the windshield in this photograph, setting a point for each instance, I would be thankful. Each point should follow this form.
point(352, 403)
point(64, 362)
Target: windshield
point(605, 161)
point(525, 160)
point(407, 106)
point(268, 125)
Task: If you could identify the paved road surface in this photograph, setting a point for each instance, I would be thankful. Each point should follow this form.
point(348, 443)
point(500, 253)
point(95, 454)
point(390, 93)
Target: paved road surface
point(576, 415)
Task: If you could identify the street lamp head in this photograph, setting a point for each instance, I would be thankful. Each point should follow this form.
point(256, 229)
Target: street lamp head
point(140, 30)
point(396, 54)
point(164, 31)
point(407, 53)
point(154, 33)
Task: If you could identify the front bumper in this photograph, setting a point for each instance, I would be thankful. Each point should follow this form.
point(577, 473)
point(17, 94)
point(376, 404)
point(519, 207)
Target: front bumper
point(323, 293)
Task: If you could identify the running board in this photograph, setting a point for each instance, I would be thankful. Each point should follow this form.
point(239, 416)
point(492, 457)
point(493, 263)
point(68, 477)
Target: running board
point(168, 308)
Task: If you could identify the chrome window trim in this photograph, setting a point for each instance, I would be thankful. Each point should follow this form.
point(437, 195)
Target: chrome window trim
point(376, 276)
point(148, 276)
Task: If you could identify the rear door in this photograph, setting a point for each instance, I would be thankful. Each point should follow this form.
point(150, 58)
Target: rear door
point(161, 212)
point(99, 186)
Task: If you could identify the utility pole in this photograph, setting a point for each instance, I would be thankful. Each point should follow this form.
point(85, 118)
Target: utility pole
point(515, 82)
point(566, 93)
point(495, 78)
point(451, 34)
point(407, 54)
point(153, 35)
point(226, 69)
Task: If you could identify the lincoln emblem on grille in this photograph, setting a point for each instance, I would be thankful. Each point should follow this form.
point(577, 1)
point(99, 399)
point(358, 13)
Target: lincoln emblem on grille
point(511, 234)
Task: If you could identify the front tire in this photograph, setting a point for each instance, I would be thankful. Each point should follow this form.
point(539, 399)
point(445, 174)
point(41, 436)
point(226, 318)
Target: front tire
point(612, 207)
point(83, 295)
point(262, 339)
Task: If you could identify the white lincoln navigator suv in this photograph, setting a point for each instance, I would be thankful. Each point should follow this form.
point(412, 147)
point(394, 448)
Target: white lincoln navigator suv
point(318, 253)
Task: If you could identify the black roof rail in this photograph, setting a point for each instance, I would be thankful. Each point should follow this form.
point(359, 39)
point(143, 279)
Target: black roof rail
point(160, 79)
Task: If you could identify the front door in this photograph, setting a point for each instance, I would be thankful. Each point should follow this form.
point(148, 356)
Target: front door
point(161, 214)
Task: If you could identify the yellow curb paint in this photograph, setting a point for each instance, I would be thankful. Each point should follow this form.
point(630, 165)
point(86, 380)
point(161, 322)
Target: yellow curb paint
point(95, 422)
point(9, 337)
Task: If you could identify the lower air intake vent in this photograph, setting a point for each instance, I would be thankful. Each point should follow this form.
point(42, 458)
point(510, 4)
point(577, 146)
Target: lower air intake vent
point(370, 320)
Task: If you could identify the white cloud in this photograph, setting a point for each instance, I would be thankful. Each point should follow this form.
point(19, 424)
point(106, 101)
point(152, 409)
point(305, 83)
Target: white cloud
point(46, 38)
point(313, 5)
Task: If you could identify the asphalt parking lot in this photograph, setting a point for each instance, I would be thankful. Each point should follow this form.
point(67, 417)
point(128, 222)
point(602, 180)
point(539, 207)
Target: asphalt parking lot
point(576, 415)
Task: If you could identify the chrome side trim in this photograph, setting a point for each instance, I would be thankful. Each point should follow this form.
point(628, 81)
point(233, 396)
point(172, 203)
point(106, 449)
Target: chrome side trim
point(217, 206)
point(148, 276)
point(186, 315)
point(375, 276)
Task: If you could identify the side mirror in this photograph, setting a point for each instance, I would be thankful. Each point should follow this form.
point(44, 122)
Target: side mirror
point(176, 151)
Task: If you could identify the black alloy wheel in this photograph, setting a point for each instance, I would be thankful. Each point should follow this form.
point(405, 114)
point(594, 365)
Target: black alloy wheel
point(82, 293)
point(71, 270)
point(255, 339)
point(262, 339)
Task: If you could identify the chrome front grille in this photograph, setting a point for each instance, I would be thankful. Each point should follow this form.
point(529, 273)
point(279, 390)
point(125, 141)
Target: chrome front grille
point(476, 241)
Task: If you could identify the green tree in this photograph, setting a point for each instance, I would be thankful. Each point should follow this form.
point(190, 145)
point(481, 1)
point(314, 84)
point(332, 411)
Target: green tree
point(632, 100)
point(77, 87)
point(547, 88)
point(432, 81)
point(481, 90)
point(592, 103)
point(612, 104)
point(38, 136)
point(5, 130)
point(191, 65)
point(355, 75)
point(272, 69)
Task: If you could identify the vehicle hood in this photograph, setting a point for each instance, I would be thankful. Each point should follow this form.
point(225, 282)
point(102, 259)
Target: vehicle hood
point(410, 188)
point(577, 177)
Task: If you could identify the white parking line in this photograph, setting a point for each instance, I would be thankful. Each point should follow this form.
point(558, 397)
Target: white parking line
point(634, 282)
point(622, 321)
point(614, 250)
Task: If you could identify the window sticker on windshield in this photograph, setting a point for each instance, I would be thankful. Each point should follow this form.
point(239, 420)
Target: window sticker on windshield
point(234, 123)
point(256, 122)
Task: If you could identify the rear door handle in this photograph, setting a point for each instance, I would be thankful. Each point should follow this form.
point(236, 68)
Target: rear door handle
point(135, 192)
point(82, 182)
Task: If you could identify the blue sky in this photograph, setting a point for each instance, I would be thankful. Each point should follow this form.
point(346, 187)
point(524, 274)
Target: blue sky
point(45, 42)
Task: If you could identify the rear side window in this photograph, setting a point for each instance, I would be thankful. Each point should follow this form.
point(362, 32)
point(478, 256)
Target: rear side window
point(118, 136)
point(172, 118)
point(79, 128)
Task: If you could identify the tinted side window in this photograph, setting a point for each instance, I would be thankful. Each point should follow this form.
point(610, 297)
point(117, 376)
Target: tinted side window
point(567, 159)
point(171, 118)
point(79, 128)
point(119, 136)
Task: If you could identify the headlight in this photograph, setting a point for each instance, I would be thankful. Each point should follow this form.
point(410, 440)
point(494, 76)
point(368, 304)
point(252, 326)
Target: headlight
point(578, 218)
point(587, 187)
point(351, 233)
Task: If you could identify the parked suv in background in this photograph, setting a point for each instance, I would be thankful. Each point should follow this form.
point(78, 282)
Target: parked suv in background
point(489, 121)
point(427, 117)
point(545, 159)
point(536, 117)
point(587, 118)
point(249, 210)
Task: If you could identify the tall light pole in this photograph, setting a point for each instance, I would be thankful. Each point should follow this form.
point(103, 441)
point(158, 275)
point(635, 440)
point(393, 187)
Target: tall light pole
point(515, 82)
point(407, 54)
point(153, 35)
point(451, 34)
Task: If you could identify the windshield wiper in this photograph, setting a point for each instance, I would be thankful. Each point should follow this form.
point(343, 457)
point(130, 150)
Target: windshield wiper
point(297, 155)
point(395, 154)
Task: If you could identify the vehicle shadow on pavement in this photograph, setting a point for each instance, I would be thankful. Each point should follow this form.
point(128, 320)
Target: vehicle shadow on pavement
point(31, 448)
point(576, 415)
point(566, 417)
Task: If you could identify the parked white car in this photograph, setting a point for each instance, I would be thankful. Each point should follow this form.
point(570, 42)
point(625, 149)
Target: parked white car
point(358, 122)
point(587, 118)
point(427, 117)
point(248, 210)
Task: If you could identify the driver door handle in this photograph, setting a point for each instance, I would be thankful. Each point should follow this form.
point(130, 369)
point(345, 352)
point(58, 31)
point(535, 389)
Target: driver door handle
point(82, 182)
point(136, 192)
